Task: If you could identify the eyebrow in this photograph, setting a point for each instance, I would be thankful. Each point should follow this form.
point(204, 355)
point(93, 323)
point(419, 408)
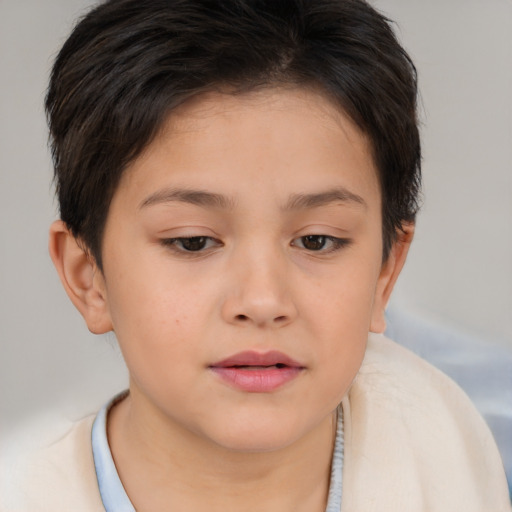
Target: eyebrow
point(336, 195)
point(196, 197)
point(213, 200)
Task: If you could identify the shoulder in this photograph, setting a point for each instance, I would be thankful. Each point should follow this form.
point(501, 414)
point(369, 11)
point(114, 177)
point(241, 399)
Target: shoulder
point(407, 378)
point(413, 437)
point(60, 476)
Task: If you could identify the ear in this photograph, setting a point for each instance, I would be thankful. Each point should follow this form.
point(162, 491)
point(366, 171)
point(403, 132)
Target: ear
point(82, 279)
point(389, 273)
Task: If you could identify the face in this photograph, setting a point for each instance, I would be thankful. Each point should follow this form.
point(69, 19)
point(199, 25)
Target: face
point(243, 267)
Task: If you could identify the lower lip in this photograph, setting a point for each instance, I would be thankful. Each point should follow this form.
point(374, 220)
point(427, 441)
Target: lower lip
point(257, 381)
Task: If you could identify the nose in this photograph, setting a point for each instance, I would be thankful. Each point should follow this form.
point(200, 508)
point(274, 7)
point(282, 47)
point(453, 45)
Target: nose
point(260, 291)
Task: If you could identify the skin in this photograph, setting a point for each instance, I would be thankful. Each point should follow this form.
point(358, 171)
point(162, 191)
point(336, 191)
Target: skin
point(282, 165)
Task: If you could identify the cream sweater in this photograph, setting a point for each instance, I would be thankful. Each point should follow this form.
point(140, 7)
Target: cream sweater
point(413, 443)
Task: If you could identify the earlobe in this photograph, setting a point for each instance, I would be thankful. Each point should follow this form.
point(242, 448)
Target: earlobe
point(390, 271)
point(81, 278)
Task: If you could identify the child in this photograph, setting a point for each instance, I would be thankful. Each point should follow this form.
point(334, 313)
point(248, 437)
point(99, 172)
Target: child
point(238, 184)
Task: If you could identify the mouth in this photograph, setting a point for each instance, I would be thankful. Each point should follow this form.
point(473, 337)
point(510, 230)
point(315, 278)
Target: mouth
point(255, 372)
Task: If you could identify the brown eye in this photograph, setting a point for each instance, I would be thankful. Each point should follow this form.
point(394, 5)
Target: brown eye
point(314, 242)
point(190, 244)
point(323, 244)
point(194, 243)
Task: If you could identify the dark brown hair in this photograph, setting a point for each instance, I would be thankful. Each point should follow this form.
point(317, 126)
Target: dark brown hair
point(128, 63)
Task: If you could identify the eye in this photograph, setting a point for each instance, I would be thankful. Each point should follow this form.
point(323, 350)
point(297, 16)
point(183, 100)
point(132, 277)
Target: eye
point(314, 242)
point(191, 243)
point(320, 243)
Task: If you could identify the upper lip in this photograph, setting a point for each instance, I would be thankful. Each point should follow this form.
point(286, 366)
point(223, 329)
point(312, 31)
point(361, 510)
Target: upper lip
point(253, 358)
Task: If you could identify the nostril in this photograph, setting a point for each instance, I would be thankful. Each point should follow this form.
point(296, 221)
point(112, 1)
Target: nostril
point(278, 320)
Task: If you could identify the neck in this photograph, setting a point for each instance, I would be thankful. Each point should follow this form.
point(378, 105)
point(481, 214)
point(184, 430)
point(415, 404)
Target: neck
point(165, 467)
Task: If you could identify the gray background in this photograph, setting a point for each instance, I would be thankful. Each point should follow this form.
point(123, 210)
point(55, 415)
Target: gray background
point(459, 271)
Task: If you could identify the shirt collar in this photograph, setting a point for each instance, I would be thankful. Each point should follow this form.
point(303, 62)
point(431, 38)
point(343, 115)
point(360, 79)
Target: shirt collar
point(112, 492)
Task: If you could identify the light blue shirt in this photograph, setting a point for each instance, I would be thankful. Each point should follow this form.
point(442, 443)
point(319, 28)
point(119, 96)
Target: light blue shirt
point(113, 494)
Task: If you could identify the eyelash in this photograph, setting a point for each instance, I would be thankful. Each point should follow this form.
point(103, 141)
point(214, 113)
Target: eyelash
point(205, 244)
point(174, 244)
point(336, 243)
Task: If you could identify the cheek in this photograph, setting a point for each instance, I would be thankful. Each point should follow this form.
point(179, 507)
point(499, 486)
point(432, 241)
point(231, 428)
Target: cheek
point(341, 302)
point(338, 363)
point(147, 291)
point(340, 311)
point(155, 315)
point(158, 338)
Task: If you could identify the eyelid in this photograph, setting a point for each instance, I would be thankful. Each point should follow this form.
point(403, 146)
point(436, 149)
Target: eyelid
point(185, 231)
point(337, 244)
point(172, 244)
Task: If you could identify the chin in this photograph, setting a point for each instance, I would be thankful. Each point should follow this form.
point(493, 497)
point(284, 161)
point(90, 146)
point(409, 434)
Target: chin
point(253, 436)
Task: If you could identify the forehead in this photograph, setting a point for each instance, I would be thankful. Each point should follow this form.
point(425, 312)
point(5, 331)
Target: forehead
point(283, 138)
point(289, 110)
